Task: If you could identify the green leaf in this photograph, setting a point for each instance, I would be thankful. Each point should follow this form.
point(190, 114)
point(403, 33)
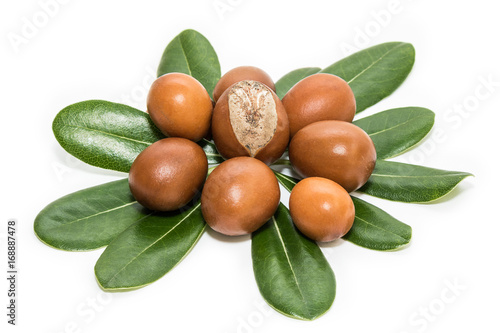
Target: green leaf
point(396, 131)
point(287, 181)
point(191, 53)
point(375, 229)
point(90, 218)
point(374, 73)
point(111, 135)
point(104, 134)
point(213, 155)
point(289, 80)
point(149, 249)
point(291, 272)
point(410, 183)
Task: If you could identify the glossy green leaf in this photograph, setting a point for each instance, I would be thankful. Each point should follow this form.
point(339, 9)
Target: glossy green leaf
point(397, 130)
point(289, 80)
point(191, 53)
point(291, 272)
point(287, 181)
point(410, 183)
point(111, 135)
point(213, 155)
point(149, 249)
point(375, 229)
point(376, 72)
point(90, 218)
point(104, 134)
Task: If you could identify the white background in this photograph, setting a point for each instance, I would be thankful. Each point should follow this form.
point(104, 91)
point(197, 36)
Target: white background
point(110, 49)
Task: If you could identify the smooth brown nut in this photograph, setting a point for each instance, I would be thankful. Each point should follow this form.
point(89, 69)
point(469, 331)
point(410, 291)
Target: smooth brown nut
point(239, 196)
point(239, 74)
point(167, 175)
point(321, 209)
point(318, 97)
point(336, 150)
point(249, 120)
point(180, 106)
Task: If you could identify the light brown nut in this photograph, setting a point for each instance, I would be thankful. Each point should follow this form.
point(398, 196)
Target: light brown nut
point(336, 150)
point(321, 209)
point(180, 106)
point(239, 196)
point(167, 175)
point(319, 97)
point(239, 74)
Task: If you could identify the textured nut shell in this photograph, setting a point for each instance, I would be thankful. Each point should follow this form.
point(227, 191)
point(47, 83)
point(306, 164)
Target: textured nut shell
point(336, 150)
point(321, 209)
point(180, 106)
point(239, 196)
point(167, 175)
point(319, 97)
point(228, 145)
point(239, 74)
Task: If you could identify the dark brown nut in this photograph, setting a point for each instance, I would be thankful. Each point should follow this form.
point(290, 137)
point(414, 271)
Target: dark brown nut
point(239, 196)
point(319, 97)
point(336, 150)
point(239, 74)
point(167, 175)
point(321, 209)
point(180, 106)
point(249, 120)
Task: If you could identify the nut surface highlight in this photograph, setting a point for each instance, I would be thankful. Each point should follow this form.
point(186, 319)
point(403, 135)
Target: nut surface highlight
point(239, 74)
point(321, 209)
point(319, 97)
point(180, 106)
point(336, 150)
point(249, 120)
point(167, 175)
point(239, 196)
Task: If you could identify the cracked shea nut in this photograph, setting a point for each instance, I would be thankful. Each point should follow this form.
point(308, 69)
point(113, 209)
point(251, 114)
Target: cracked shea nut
point(321, 209)
point(180, 106)
point(239, 196)
point(337, 150)
point(239, 74)
point(167, 175)
point(319, 97)
point(249, 120)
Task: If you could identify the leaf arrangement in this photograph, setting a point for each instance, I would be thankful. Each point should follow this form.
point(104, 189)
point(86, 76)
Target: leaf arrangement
point(291, 271)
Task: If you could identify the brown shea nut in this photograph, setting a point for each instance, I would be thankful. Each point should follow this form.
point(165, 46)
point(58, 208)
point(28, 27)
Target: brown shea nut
point(180, 106)
point(239, 74)
point(336, 150)
point(319, 97)
point(239, 196)
point(321, 209)
point(249, 120)
point(166, 175)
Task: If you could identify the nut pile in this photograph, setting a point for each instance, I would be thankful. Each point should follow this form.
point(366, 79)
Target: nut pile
point(251, 128)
